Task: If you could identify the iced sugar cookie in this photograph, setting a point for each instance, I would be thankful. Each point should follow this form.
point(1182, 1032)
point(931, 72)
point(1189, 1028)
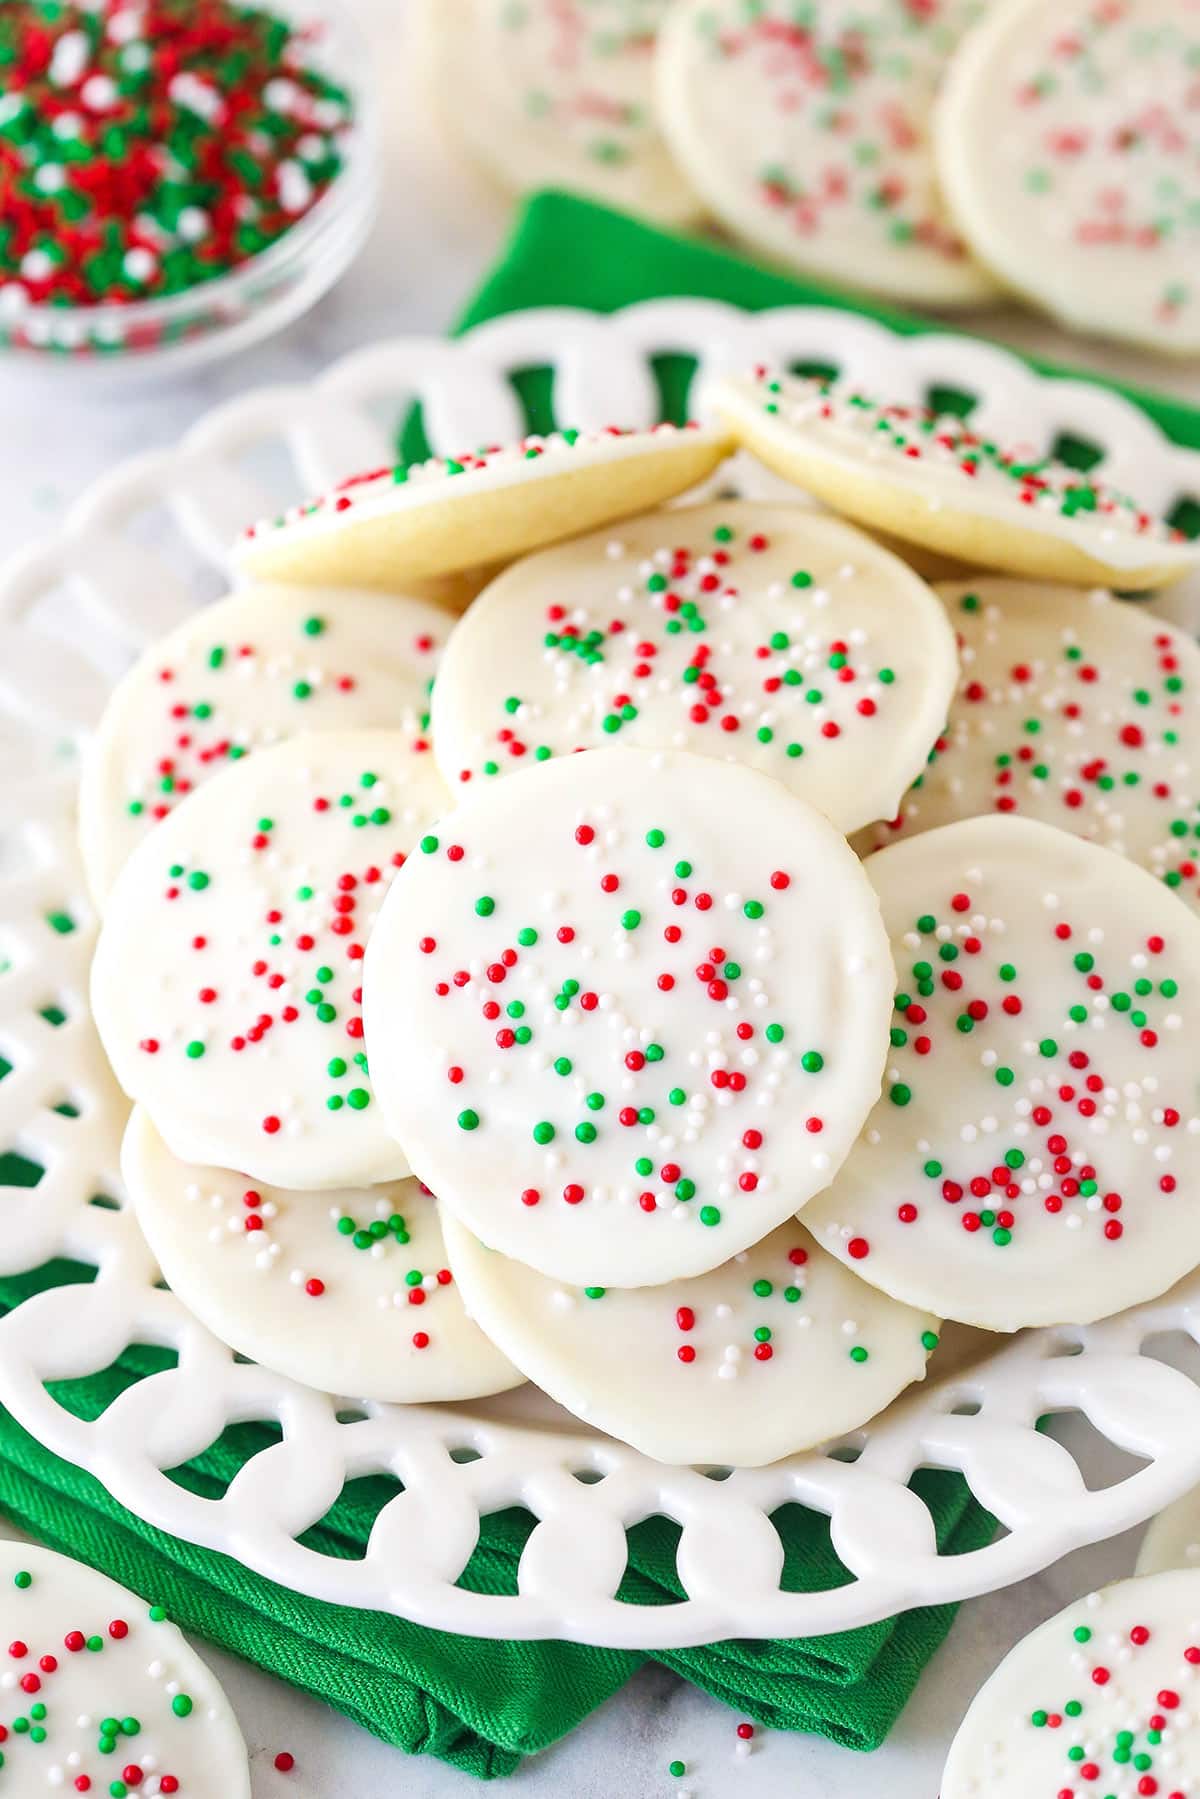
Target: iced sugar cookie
point(628, 1013)
point(760, 634)
point(807, 132)
point(1101, 1700)
point(104, 1694)
point(409, 523)
point(774, 1351)
point(555, 93)
point(1068, 144)
point(348, 1292)
point(1074, 708)
point(257, 667)
point(226, 984)
point(932, 480)
point(1035, 1156)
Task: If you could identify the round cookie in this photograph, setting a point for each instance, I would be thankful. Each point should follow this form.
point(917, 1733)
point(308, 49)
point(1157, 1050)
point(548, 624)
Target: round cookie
point(1035, 1154)
point(1076, 709)
point(347, 1292)
point(809, 136)
point(105, 1695)
point(766, 635)
point(1172, 1539)
point(225, 985)
point(930, 479)
point(391, 526)
point(774, 1351)
point(1067, 141)
point(555, 93)
point(1100, 1700)
point(627, 1014)
point(257, 667)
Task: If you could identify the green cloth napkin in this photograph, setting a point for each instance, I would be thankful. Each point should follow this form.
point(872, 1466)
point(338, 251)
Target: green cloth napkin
point(483, 1705)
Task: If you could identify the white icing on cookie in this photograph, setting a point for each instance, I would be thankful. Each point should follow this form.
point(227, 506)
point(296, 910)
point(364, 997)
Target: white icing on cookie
point(253, 669)
point(627, 1013)
point(1101, 1702)
point(931, 479)
point(1076, 709)
point(1035, 1155)
point(1172, 1539)
point(348, 1292)
point(555, 93)
point(1068, 143)
point(226, 980)
point(774, 1351)
point(758, 634)
point(104, 1694)
point(807, 131)
point(414, 522)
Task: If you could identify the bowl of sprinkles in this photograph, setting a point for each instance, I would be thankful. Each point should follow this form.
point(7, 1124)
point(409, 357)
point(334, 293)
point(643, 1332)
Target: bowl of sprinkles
point(177, 177)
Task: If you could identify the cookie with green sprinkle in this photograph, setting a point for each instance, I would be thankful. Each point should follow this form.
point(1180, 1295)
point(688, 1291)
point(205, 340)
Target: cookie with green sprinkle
point(1073, 708)
point(347, 1292)
point(104, 1694)
point(773, 1352)
point(627, 1013)
point(1100, 1700)
point(1035, 1153)
point(766, 635)
point(253, 669)
point(945, 483)
point(417, 522)
point(227, 981)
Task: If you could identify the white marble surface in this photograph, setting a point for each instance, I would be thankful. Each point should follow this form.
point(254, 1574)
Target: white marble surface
point(438, 231)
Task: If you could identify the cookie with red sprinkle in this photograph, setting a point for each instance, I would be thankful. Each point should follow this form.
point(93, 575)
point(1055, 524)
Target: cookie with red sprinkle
point(1068, 145)
point(105, 1695)
point(933, 480)
point(1100, 1702)
point(227, 981)
point(627, 1014)
point(1035, 1154)
point(253, 669)
point(555, 93)
point(387, 527)
point(1073, 708)
point(807, 132)
point(348, 1292)
point(778, 1349)
point(767, 635)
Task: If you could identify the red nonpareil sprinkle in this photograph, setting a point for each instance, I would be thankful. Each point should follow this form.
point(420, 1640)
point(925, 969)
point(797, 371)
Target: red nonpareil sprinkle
point(285, 1761)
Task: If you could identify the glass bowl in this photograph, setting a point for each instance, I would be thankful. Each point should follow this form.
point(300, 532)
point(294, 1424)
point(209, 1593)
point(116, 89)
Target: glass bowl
point(260, 296)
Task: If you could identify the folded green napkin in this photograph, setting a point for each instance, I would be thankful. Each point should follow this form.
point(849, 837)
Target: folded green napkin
point(484, 1705)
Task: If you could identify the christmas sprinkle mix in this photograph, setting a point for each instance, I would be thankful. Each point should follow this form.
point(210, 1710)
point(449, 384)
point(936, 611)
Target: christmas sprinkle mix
point(754, 633)
point(102, 1695)
point(946, 485)
point(346, 1292)
point(557, 93)
point(254, 669)
point(1075, 709)
point(627, 1012)
point(1099, 1703)
point(227, 979)
point(778, 1349)
point(1032, 1158)
point(1070, 147)
point(386, 526)
point(806, 129)
point(147, 146)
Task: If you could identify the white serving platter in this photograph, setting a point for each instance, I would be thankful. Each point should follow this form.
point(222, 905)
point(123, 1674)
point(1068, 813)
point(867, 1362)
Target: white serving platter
point(146, 544)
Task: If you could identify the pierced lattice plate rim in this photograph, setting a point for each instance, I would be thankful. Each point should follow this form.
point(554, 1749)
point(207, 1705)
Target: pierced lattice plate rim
point(135, 554)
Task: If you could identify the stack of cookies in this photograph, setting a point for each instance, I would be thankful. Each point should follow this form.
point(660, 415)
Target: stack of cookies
point(696, 971)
